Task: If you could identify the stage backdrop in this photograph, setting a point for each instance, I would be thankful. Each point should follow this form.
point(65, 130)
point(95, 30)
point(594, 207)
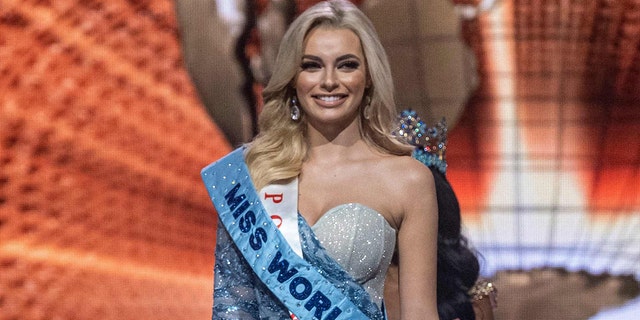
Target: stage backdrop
point(102, 136)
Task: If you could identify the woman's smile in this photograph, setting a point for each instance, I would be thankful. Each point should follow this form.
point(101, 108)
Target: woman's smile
point(330, 100)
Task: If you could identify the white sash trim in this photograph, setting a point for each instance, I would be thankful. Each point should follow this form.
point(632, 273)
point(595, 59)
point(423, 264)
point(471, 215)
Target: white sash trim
point(281, 202)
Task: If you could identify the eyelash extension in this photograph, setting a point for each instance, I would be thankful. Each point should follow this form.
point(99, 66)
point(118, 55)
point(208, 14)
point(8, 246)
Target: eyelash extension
point(350, 64)
point(313, 65)
point(309, 65)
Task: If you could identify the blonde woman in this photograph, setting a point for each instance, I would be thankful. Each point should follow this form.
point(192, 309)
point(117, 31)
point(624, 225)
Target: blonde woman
point(328, 171)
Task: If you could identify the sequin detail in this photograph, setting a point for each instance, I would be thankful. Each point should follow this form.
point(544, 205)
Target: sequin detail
point(239, 293)
point(361, 241)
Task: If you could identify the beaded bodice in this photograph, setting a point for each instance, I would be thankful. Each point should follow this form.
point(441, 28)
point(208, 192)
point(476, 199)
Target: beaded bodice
point(361, 241)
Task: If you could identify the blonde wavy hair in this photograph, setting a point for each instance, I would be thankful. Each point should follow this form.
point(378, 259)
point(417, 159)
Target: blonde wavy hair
point(278, 151)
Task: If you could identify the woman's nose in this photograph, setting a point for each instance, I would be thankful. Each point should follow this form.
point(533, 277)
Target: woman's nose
point(329, 81)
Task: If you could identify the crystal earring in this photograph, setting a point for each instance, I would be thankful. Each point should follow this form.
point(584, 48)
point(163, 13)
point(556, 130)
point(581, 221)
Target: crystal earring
point(295, 110)
point(366, 112)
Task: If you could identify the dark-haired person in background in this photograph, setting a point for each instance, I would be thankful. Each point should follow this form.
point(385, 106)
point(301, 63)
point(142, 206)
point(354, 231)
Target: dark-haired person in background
point(461, 294)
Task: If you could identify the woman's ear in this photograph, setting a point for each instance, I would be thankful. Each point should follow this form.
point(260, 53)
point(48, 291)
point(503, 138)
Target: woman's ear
point(291, 89)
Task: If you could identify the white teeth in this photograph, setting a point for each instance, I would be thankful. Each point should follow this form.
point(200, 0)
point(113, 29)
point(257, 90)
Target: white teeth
point(329, 98)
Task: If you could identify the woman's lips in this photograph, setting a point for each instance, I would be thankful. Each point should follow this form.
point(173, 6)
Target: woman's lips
point(329, 100)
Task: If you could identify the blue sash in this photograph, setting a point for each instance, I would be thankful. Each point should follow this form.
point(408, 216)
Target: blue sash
point(295, 282)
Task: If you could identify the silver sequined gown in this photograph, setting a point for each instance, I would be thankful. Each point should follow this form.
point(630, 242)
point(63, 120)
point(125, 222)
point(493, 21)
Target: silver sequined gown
point(361, 241)
point(351, 245)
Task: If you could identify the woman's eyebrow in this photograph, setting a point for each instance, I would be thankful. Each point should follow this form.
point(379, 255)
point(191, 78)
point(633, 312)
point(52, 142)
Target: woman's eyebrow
point(340, 58)
point(311, 57)
point(348, 56)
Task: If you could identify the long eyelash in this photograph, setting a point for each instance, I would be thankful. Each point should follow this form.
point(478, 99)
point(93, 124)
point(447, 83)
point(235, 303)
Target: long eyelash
point(308, 65)
point(351, 64)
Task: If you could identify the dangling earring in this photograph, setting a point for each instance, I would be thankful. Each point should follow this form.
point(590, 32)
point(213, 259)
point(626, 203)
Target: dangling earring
point(366, 112)
point(295, 110)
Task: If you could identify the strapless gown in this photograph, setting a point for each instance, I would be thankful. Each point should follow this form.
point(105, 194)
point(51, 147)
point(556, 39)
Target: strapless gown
point(350, 241)
point(361, 241)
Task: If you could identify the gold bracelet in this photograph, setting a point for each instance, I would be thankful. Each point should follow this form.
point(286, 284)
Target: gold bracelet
point(481, 289)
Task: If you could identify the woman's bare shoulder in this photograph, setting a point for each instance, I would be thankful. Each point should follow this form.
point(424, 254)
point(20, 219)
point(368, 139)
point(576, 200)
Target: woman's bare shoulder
point(409, 184)
point(408, 172)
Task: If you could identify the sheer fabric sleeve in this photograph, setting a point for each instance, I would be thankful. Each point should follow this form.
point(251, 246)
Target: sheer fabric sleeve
point(238, 293)
point(234, 295)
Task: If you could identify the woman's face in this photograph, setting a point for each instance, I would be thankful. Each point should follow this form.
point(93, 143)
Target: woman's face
point(332, 77)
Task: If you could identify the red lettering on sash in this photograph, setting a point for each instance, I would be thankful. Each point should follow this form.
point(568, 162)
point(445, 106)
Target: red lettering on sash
point(277, 220)
point(275, 197)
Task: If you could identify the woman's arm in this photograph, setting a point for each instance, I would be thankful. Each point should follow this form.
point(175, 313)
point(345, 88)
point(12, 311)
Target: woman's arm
point(483, 309)
point(234, 295)
point(484, 295)
point(417, 246)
